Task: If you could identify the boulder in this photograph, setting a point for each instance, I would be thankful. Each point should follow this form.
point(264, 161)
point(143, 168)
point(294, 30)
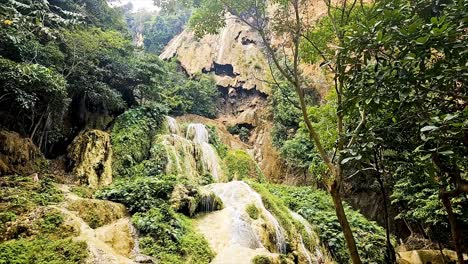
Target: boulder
point(90, 156)
point(18, 155)
point(427, 256)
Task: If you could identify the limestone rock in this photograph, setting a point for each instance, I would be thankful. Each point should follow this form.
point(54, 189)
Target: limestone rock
point(118, 235)
point(97, 213)
point(427, 256)
point(18, 155)
point(234, 55)
point(90, 155)
point(190, 200)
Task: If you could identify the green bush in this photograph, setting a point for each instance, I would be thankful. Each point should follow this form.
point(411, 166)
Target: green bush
point(43, 251)
point(139, 194)
point(132, 136)
point(170, 237)
point(240, 165)
point(317, 207)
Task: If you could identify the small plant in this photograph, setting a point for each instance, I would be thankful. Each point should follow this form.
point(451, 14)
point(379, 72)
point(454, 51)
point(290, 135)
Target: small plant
point(252, 211)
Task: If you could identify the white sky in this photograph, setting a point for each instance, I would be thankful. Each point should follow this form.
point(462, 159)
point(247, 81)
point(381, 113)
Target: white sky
point(141, 4)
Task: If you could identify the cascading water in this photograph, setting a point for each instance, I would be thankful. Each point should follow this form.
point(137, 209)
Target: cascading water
point(319, 257)
point(199, 135)
point(238, 236)
point(191, 156)
point(172, 125)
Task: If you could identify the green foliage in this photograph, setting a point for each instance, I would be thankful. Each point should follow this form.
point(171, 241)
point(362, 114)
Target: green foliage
point(43, 251)
point(317, 207)
point(171, 238)
point(261, 260)
point(412, 95)
point(139, 194)
point(216, 141)
point(163, 28)
point(239, 165)
point(132, 135)
point(21, 195)
point(31, 96)
point(297, 150)
point(252, 211)
point(242, 131)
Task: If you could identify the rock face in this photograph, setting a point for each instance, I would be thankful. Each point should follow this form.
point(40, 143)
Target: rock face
point(18, 155)
point(234, 56)
point(90, 155)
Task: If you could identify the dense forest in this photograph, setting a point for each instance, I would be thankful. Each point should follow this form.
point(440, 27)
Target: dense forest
point(234, 131)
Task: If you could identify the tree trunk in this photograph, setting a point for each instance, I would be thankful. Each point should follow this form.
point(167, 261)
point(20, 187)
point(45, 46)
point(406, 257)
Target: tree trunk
point(453, 226)
point(348, 233)
point(390, 249)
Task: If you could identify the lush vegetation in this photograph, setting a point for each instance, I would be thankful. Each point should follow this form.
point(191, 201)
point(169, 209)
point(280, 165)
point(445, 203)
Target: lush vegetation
point(79, 69)
point(32, 232)
point(166, 235)
point(317, 207)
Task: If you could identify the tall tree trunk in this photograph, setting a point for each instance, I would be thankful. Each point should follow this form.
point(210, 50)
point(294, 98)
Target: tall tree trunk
point(348, 233)
point(453, 226)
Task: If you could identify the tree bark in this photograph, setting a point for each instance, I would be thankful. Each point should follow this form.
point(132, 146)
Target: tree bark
point(348, 233)
point(453, 226)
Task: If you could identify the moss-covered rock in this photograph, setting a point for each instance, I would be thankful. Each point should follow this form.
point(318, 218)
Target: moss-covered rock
point(18, 155)
point(97, 213)
point(190, 200)
point(252, 211)
point(39, 222)
point(132, 137)
point(43, 251)
point(240, 165)
point(90, 155)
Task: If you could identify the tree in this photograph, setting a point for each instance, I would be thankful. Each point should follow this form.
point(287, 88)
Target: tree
point(406, 68)
point(290, 21)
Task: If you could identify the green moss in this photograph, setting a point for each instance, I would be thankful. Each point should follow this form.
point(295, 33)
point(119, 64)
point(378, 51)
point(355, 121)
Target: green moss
point(273, 204)
point(97, 213)
point(43, 251)
point(216, 141)
point(240, 165)
point(83, 191)
point(132, 136)
point(21, 195)
point(253, 211)
point(261, 260)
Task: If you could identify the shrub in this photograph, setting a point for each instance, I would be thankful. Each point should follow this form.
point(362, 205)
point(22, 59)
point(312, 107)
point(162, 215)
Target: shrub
point(317, 207)
point(217, 143)
point(170, 237)
point(140, 194)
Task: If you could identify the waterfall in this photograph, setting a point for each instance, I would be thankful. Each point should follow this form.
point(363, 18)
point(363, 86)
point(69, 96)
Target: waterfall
point(172, 125)
point(236, 196)
point(198, 133)
point(312, 235)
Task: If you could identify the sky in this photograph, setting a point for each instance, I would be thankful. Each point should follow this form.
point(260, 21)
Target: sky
point(141, 4)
